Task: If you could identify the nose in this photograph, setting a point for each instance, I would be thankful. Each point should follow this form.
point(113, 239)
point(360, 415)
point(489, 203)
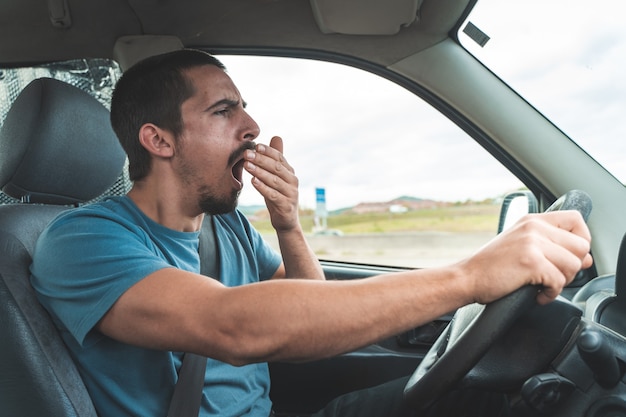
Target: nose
point(251, 130)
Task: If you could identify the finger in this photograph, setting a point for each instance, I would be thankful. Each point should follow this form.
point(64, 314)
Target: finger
point(284, 183)
point(558, 269)
point(268, 170)
point(552, 281)
point(574, 243)
point(570, 220)
point(587, 261)
point(274, 150)
point(545, 296)
point(269, 193)
point(566, 229)
point(266, 158)
point(271, 177)
point(277, 143)
point(283, 207)
point(573, 234)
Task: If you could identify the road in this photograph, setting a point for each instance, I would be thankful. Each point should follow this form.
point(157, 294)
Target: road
point(416, 249)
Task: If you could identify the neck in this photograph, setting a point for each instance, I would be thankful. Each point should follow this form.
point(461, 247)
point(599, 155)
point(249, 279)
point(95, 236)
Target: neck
point(166, 206)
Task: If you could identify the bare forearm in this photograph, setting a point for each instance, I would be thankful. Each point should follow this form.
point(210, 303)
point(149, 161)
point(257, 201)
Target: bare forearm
point(289, 320)
point(298, 257)
point(304, 320)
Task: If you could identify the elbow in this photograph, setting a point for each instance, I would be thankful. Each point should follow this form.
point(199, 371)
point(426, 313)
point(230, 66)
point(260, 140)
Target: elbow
point(239, 347)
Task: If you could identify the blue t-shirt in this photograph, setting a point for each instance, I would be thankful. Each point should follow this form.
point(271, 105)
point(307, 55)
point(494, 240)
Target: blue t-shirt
point(88, 257)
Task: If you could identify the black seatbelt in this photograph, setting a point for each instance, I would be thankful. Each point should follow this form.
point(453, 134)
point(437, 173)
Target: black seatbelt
point(188, 390)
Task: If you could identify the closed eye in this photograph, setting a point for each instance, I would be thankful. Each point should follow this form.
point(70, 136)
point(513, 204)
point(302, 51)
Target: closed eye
point(225, 106)
point(223, 112)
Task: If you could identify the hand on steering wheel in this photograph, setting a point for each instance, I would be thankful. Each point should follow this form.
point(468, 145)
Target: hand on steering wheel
point(474, 329)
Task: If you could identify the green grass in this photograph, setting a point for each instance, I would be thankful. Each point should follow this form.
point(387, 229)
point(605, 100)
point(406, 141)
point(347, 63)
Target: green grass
point(455, 218)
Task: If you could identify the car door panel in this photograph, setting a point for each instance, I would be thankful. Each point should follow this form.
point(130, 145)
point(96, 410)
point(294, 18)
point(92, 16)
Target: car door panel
point(306, 387)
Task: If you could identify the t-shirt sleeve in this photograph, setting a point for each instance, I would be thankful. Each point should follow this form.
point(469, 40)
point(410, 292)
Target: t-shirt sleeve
point(82, 264)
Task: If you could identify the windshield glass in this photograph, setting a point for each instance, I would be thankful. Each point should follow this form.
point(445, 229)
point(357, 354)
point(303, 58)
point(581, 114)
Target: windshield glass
point(568, 59)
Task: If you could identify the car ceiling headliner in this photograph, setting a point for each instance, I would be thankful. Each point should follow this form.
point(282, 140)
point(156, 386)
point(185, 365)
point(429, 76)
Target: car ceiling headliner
point(27, 35)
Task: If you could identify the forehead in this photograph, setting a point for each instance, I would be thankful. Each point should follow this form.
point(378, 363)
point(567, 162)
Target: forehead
point(211, 83)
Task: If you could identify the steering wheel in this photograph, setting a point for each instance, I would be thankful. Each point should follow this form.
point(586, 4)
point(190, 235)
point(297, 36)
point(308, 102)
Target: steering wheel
point(474, 329)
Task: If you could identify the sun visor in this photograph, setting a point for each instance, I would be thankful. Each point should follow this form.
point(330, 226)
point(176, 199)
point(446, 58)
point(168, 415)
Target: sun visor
point(364, 17)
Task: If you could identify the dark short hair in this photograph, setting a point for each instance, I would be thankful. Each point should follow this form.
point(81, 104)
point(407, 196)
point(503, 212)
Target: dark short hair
point(152, 91)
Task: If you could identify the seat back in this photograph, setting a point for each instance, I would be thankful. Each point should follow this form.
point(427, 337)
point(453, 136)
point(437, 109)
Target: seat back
point(57, 150)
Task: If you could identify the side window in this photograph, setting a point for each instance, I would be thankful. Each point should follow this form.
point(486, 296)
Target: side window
point(384, 178)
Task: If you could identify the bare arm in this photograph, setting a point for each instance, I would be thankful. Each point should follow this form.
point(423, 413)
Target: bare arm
point(289, 320)
point(275, 179)
point(305, 319)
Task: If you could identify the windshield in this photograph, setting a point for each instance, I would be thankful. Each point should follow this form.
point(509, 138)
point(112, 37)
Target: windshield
point(568, 59)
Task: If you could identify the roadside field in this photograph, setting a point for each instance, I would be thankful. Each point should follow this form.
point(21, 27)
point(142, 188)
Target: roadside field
point(451, 218)
point(421, 238)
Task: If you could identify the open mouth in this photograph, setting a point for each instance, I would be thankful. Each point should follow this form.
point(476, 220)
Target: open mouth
point(238, 172)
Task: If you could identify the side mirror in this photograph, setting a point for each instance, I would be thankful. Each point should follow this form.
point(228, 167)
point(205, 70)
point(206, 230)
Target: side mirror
point(516, 205)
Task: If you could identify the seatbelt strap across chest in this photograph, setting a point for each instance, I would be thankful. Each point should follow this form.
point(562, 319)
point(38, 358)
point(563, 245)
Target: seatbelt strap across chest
point(188, 390)
point(187, 395)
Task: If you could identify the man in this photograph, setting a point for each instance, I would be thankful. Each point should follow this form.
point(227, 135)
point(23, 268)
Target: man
point(121, 281)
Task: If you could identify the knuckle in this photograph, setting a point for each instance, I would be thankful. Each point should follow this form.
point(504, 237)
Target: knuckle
point(273, 195)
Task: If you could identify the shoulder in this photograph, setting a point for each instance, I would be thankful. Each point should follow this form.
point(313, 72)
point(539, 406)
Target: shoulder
point(88, 229)
point(104, 215)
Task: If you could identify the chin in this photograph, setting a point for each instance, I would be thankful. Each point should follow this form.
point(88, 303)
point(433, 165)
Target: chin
point(212, 205)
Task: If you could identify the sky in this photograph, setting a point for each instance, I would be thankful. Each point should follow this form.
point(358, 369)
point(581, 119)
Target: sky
point(336, 120)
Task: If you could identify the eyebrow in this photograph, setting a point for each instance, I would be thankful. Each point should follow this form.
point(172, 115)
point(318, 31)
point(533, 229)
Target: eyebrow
point(228, 103)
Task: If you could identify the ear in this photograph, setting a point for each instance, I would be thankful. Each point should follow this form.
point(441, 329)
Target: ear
point(156, 141)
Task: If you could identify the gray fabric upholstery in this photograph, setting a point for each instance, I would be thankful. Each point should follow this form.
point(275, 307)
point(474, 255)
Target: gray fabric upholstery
point(56, 146)
point(37, 376)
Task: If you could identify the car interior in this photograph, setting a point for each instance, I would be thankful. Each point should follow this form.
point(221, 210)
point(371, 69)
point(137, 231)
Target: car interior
point(58, 151)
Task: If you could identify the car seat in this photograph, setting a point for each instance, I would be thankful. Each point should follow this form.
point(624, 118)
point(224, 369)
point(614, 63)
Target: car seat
point(57, 150)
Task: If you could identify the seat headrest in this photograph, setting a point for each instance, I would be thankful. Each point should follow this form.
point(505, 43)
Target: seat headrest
point(57, 146)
